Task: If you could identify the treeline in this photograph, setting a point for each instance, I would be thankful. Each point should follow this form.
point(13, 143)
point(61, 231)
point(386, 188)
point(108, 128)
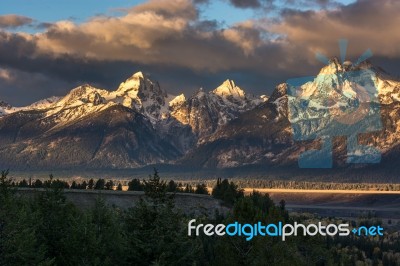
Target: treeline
point(102, 184)
point(285, 184)
point(200, 187)
point(171, 186)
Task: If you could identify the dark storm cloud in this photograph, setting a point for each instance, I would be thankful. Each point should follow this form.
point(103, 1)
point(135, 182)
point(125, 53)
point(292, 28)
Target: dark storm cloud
point(21, 88)
point(246, 3)
point(14, 21)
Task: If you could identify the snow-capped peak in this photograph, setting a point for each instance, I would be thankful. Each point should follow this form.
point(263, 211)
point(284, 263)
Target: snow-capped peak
point(144, 95)
point(4, 108)
point(333, 67)
point(43, 104)
point(139, 83)
point(132, 84)
point(5, 105)
point(81, 95)
point(228, 88)
point(139, 74)
point(336, 67)
point(178, 100)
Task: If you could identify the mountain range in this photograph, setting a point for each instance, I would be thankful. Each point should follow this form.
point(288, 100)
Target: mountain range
point(140, 124)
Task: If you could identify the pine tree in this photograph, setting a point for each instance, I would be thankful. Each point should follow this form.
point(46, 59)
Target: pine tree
point(172, 186)
point(109, 185)
point(91, 184)
point(84, 185)
point(100, 184)
point(135, 185)
point(157, 234)
point(201, 189)
point(155, 188)
point(74, 185)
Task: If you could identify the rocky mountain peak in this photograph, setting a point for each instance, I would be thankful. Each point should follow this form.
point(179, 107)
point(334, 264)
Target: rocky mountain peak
point(133, 83)
point(139, 74)
point(333, 67)
point(5, 105)
point(140, 85)
point(229, 89)
point(81, 95)
point(178, 100)
point(336, 67)
point(144, 95)
point(280, 91)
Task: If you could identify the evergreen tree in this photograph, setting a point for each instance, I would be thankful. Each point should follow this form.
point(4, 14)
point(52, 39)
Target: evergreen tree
point(157, 234)
point(188, 189)
point(110, 238)
point(74, 185)
point(201, 189)
point(135, 185)
point(155, 188)
point(20, 245)
point(91, 184)
point(100, 184)
point(229, 193)
point(23, 183)
point(38, 183)
point(109, 185)
point(172, 186)
point(83, 185)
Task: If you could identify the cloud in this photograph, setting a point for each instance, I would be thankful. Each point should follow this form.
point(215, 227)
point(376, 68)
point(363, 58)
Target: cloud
point(244, 35)
point(23, 88)
point(312, 3)
point(5, 75)
point(170, 39)
point(366, 24)
point(157, 32)
point(168, 9)
point(246, 3)
point(14, 21)
point(44, 25)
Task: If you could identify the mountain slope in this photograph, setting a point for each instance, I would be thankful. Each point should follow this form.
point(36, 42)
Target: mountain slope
point(206, 112)
point(264, 135)
point(133, 126)
point(140, 124)
point(117, 137)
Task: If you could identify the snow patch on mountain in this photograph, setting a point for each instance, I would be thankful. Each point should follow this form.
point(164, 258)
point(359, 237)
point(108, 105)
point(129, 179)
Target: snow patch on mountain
point(6, 108)
point(229, 89)
point(144, 95)
point(43, 104)
point(206, 112)
point(178, 100)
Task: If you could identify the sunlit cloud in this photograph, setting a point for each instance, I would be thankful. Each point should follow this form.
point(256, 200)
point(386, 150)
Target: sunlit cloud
point(171, 37)
point(5, 75)
point(14, 21)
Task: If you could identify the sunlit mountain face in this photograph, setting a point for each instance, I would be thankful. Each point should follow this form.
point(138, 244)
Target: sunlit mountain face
point(141, 124)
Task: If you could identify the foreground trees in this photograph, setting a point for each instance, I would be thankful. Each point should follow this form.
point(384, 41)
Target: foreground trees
point(48, 230)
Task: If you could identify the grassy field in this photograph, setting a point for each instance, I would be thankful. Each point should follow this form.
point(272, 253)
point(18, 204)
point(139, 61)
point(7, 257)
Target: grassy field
point(320, 191)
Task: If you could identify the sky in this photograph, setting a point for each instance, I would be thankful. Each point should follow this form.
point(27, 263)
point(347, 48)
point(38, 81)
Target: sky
point(48, 47)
